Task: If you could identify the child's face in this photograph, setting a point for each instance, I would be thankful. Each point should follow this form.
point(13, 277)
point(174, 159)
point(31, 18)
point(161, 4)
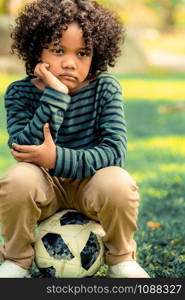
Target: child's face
point(70, 61)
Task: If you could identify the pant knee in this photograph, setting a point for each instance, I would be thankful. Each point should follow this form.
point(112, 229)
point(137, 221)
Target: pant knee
point(20, 180)
point(117, 190)
point(23, 175)
point(120, 196)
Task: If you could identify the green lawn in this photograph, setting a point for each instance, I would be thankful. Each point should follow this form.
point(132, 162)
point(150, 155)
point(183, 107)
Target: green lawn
point(156, 159)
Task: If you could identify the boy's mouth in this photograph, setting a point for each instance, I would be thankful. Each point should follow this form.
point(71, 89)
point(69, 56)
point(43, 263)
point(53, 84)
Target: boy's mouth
point(69, 76)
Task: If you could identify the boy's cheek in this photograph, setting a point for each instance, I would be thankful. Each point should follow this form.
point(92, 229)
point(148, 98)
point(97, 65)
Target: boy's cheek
point(53, 70)
point(52, 66)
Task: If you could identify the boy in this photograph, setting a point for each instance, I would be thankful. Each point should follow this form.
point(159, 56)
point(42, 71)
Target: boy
point(67, 130)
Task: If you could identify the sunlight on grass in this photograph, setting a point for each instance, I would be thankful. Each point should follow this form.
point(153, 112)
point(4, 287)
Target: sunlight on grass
point(3, 163)
point(140, 176)
point(153, 89)
point(173, 145)
point(3, 137)
point(153, 152)
point(6, 79)
point(157, 193)
point(163, 170)
point(173, 167)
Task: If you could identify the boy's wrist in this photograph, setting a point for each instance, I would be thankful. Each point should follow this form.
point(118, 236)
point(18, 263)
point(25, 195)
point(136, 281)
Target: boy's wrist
point(61, 89)
point(55, 90)
point(58, 87)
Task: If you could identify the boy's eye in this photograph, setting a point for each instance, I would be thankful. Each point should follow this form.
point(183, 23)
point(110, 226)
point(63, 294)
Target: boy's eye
point(84, 53)
point(57, 51)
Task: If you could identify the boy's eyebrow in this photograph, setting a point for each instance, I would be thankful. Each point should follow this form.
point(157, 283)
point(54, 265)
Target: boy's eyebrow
point(82, 48)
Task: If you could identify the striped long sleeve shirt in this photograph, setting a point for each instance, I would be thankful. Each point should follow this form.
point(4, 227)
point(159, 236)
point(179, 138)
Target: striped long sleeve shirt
point(88, 127)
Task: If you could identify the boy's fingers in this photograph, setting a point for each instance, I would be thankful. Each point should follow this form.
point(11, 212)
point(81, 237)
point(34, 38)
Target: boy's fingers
point(23, 148)
point(37, 70)
point(46, 65)
point(44, 68)
point(47, 134)
point(40, 69)
point(20, 156)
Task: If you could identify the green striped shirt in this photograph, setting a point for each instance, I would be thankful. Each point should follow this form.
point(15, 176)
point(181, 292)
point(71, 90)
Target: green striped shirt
point(88, 127)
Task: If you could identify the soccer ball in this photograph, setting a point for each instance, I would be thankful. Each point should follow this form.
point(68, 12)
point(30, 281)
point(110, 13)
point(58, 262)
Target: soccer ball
point(69, 244)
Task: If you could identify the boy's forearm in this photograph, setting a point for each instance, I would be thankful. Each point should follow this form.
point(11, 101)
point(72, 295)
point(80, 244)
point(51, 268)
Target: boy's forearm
point(42, 155)
point(24, 131)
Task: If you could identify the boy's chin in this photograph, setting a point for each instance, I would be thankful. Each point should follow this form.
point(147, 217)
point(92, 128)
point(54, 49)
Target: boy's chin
point(74, 86)
point(73, 90)
point(68, 83)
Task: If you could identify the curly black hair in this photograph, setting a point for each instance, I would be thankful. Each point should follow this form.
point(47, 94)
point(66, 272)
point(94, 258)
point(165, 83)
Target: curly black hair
point(43, 21)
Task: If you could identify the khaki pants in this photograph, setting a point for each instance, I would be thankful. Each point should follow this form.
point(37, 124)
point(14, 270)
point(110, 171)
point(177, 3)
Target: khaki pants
point(28, 194)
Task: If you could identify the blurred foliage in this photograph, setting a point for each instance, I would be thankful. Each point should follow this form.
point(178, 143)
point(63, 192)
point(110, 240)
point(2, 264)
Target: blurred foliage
point(173, 43)
point(3, 6)
point(168, 9)
point(163, 14)
point(164, 3)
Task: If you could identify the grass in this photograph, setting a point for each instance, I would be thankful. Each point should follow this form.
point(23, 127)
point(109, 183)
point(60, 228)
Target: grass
point(154, 88)
point(156, 159)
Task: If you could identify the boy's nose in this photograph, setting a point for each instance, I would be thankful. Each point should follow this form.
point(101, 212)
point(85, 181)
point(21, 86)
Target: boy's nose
point(68, 63)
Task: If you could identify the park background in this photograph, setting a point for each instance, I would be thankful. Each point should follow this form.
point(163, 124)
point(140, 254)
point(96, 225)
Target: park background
point(151, 71)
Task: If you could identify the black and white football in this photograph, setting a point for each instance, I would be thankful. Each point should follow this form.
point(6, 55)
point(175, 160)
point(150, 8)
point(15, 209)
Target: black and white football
point(69, 244)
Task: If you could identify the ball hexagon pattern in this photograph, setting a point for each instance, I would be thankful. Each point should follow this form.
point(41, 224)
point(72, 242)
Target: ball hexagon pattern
point(69, 244)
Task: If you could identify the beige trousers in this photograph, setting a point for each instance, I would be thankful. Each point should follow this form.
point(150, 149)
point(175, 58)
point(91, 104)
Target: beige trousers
point(28, 194)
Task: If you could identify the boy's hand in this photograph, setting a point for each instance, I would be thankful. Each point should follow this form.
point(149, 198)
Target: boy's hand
point(43, 155)
point(41, 70)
